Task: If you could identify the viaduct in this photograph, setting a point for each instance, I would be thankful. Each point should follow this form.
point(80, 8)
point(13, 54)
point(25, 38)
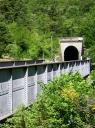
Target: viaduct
point(20, 80)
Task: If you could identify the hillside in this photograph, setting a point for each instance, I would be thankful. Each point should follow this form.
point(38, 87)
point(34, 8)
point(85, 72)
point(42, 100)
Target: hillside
point(31, 29)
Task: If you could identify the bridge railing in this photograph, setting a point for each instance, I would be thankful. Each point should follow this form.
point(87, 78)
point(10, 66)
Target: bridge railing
point(20, 81)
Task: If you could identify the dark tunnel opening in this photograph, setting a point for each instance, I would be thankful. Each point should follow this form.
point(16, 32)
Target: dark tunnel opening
point(71, 53)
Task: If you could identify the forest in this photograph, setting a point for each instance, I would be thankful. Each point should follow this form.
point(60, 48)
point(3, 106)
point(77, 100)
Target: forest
point(30, 29)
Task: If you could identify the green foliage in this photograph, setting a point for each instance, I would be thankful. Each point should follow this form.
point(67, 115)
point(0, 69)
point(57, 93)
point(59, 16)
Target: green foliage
point(64, 103)
point(91, 53)
point(26, 44)
point(12, 10)
point(24, 19)
point(4, 38)
point(18, 120)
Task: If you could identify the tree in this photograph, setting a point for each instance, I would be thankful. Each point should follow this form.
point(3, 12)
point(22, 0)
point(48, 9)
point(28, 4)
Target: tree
point(17, 11)
point(4, 38)
point(57, 18)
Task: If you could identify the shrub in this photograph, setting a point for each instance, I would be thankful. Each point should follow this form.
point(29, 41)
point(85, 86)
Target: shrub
point(63, 103)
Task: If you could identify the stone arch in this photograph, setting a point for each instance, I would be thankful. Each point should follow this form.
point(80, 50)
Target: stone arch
point(71, 53)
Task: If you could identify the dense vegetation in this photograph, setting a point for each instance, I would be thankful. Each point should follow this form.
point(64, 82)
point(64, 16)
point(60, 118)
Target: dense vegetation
point(67, 102)
point(30, 28)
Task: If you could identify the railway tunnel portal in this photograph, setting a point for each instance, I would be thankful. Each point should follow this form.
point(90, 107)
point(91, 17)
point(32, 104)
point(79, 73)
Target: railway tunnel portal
point(71, 48)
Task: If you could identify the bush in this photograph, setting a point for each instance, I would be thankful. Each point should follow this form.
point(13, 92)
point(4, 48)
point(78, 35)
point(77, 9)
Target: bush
point(63, 103)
